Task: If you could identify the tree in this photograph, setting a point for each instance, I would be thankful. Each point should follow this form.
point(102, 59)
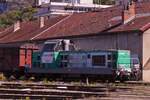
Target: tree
point(27, 13)
point(4, 21)
point(24, 14)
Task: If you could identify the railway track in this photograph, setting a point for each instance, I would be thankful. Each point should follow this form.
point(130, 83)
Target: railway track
point(14, 90)
point(103, 91)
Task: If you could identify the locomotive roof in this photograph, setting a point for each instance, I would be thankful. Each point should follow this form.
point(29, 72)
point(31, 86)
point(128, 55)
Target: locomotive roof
point(82, 51)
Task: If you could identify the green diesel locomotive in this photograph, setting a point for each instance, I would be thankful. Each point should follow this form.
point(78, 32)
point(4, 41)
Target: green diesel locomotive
point(106, 64)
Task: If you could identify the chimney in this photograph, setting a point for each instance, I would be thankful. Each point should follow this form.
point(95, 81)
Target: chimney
point(16, 26)
point(129, 11)
point(42, 22)
point(67, 43)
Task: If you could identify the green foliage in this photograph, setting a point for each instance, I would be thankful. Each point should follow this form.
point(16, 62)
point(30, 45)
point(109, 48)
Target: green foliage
point(27, 98)
point(10, 17)
point(104, 2)
point(4, 21)
point(27, 13)
point(2, 77)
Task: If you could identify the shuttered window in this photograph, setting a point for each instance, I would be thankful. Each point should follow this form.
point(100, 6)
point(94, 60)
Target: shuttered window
point(98, 60)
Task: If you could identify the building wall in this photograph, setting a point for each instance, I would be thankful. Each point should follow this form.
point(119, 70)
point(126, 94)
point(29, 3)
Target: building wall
point(40, 2)
point(146, 74)
point(68, 1)
point(86, 1)
point(146, 48)
point(95, 43)
point(146, 56)
point(127, 41)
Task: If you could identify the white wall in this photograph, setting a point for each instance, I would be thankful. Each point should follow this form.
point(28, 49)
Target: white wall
point(86, 1)
point(43, 2)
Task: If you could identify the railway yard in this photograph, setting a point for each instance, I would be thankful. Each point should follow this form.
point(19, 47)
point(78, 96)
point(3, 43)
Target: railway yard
point(72, 91)
point(99, 54)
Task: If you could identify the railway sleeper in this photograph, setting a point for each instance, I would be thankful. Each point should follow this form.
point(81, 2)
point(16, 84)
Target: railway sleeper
point(76, 94)
point(33, 96)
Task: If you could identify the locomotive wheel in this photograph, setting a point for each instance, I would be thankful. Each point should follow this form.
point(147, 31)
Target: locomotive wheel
point(136, 76)
point(124, 78)
point(7, 75)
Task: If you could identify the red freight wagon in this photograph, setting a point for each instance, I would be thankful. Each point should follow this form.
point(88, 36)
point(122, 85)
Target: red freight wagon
point(8, 59)
point(25, 57)
point(14, 59)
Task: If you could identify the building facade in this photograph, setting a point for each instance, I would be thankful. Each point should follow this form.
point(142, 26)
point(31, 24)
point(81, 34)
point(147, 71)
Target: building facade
point(61, 7)
point(40, 2)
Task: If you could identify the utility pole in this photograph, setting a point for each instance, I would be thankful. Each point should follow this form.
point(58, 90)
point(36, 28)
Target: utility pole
point(49, 8)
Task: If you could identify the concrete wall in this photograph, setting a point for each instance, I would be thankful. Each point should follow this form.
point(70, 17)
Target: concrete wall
point(127, 41)
point(146, 56)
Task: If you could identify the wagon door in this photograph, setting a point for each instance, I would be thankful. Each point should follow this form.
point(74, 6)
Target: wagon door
point(22, 58)
point(25, 58)
point(29, 58)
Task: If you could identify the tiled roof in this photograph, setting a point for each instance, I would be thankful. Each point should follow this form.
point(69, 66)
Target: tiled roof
point(96, 22)
point(5, 31)
point(83, 24)
point(79, 24)
point(28, 30)
point(142, 7)
point(141, 23)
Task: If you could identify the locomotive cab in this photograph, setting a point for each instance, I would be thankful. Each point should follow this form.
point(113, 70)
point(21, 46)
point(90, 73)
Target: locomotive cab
point(49, 55)
point(123, 64)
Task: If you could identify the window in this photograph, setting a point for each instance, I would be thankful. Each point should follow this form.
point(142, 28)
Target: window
point(109, 64)
point(56, 0)
point(134, 61)
point(109, 57)
point(38, 57)
point(68, 1)
point(49, 47)
point(64, 57)
point(64, 64)
point(88, 56)
point(98, 60)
